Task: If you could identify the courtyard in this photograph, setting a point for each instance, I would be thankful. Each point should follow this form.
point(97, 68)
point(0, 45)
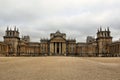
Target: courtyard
point(59, 68)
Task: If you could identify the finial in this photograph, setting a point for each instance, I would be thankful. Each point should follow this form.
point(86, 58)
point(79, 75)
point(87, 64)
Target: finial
point(10, 29)
point(108, 28)
point(15, 28)
point(7, 28)
point(58, 31)
point(100, 28)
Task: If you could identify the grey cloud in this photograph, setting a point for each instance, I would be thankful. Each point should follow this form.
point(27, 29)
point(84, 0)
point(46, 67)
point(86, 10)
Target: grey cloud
point(78, 18)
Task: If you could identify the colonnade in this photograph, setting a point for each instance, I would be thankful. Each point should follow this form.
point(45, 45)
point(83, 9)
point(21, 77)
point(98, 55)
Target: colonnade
point(57, 48)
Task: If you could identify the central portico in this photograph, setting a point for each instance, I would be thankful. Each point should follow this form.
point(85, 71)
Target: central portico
point(57, 43)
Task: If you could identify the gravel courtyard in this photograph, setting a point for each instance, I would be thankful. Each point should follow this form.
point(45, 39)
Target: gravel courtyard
point(59, 68)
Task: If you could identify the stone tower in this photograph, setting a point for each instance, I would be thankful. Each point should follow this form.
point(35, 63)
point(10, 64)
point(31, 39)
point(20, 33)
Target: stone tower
point(12, 39)
point(103, 40)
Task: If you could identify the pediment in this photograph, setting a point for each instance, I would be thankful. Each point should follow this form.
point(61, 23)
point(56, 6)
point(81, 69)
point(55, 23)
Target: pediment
point(57, 39)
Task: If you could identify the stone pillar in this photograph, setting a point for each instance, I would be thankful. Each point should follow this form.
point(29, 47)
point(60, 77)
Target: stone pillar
point(51, 48)
point(55, 48)
point(64, 48)
point(119, 49)
point(60, 48)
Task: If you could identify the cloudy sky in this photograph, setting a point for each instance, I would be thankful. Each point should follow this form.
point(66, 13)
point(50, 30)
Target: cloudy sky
point(77, 18)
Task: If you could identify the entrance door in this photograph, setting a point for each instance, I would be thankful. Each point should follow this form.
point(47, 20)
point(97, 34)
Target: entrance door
point(57, 48)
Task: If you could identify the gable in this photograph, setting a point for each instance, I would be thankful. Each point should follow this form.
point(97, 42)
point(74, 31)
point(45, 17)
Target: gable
point(57, 39)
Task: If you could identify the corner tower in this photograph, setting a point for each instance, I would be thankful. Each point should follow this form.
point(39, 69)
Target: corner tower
point(103, 40)
point(12, 38)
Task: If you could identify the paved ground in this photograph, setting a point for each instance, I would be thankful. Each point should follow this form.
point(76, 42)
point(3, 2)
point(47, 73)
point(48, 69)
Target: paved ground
point(59, 68)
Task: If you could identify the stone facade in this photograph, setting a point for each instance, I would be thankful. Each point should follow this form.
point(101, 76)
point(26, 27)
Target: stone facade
point(59, 45)
point(114, 48)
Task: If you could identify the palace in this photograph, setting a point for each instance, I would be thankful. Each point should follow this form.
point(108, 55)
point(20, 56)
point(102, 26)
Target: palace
point(58, 45)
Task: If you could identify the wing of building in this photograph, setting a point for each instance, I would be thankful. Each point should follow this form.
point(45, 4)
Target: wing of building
point(58, 45)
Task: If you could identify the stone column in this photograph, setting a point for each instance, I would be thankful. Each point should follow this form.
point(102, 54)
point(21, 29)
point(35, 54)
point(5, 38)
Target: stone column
point(60, 48)
point(119, 48)
point(55, 48)
point(64, 48)
point(51, 48)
